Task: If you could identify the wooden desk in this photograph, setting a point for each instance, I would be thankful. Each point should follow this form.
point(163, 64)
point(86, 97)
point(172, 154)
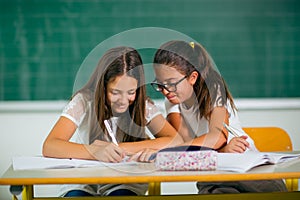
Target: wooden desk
point(146, 173)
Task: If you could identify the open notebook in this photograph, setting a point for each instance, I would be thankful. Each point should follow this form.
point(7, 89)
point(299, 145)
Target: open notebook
point(40, 162)
point(242, 162)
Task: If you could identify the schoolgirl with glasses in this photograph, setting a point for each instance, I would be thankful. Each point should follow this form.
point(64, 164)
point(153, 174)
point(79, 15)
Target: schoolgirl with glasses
point(200, 106)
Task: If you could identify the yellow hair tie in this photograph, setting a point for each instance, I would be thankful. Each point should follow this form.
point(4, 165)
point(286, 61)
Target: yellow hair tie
point(192, 44)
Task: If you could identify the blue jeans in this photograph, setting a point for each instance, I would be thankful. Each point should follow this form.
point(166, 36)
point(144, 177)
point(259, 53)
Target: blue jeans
point(77, 193)
point(80, 193)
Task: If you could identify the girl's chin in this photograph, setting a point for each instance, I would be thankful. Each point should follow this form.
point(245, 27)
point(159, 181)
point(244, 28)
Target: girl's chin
point(174, 101)
point(120, 110)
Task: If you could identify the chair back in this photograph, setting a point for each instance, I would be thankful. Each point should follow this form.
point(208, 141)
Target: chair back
point(269, 139)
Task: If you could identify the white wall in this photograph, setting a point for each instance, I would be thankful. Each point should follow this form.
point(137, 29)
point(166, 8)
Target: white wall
point(24, 126)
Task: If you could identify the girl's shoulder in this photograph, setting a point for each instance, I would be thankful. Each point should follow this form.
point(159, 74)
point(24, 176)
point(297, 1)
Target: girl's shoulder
point(77, 108)
point(150, 104)
point(151, 109)
point(82, 97)
point(79, 99)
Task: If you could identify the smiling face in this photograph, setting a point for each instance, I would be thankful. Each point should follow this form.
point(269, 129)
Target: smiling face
point(121, 93)
point(169, 75)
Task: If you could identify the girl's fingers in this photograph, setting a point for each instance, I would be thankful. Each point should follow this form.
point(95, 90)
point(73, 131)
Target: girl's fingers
point(135, 157)
point(238, 144)
point(116, 153)
point(241, 141)
point(143, 156)
point(108, 152)
point(244, 141)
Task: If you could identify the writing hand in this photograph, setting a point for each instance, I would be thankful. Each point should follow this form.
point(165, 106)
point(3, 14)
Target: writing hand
point(105, 151)
point(237, 145)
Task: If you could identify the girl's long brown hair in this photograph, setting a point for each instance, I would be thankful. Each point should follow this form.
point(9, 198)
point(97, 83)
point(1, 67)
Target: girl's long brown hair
point(210, 87)
point(131, 124)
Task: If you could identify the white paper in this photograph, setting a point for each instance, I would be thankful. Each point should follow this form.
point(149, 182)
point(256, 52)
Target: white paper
point(40, 162)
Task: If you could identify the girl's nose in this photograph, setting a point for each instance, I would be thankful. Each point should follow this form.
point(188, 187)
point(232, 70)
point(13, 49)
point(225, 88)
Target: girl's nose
point(123, 99)
point(165, 91)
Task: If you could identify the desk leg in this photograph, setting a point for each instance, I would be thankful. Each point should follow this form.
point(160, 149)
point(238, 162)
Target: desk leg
point(27, 193)
point(295, 184)
point(291, 184)
point(154, 188)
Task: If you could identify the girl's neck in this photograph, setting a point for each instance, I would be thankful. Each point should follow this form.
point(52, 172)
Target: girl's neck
point(190, 102)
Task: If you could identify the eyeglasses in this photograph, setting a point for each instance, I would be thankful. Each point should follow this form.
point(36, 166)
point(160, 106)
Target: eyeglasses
point(170, 87)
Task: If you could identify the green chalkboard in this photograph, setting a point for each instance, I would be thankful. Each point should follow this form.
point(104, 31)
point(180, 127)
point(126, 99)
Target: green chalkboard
point(255, 43)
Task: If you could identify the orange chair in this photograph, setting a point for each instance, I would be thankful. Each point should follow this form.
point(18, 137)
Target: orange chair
point(268, 139)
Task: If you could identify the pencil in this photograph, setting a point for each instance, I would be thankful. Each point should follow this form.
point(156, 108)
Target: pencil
point(230, 130)
point(110, 132)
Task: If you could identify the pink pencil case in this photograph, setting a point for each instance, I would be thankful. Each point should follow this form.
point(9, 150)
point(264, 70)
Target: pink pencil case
point(191, 159)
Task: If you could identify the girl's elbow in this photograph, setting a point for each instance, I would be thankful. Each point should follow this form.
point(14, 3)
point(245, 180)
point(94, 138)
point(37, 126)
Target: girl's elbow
point(45, 149)
point(178, 140)
point(220, 144)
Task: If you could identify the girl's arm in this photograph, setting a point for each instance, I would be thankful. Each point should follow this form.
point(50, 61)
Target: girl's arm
point(177, 121)
point(216, 136)
point(166, 136)
point(57, 145)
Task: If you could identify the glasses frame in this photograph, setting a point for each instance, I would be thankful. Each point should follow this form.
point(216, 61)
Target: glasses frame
point(159, 87)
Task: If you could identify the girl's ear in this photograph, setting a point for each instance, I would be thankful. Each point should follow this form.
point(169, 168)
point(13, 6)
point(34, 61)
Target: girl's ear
point(193, 77)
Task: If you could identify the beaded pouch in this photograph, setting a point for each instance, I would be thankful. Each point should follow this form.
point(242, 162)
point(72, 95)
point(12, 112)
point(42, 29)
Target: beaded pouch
point(186, 158)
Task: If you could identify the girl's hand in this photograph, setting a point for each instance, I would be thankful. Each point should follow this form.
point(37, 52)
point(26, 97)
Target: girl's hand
point(143, 155)
point(105, 151)
point(236, 145)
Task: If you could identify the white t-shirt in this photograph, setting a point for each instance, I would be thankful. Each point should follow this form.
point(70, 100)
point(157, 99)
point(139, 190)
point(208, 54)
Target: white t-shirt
point(199, 126)
point(78, 110)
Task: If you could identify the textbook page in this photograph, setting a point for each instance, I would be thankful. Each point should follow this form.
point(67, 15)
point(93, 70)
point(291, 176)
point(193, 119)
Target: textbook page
point(242, 162)
point(40, 162)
